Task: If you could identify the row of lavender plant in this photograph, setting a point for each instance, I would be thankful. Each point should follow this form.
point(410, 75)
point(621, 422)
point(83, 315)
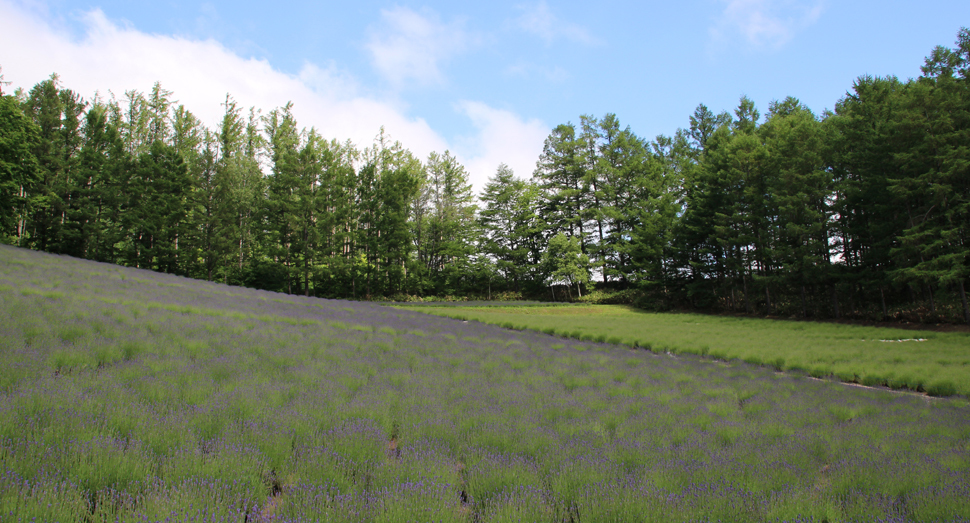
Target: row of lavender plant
point(127, 395)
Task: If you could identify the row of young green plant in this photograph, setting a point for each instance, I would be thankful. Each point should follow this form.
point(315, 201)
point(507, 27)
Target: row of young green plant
point(933, 362)
point(355, 412)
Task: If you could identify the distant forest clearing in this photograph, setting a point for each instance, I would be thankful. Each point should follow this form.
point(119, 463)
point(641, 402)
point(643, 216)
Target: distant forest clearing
point(130, 395)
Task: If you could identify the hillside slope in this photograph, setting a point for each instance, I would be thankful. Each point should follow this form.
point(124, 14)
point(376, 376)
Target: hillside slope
point(127, 395)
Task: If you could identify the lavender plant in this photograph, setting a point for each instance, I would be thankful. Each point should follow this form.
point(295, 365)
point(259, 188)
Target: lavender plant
point(127, 395)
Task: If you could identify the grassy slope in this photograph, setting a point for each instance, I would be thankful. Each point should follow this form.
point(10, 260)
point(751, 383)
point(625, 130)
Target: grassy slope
point(867, 355)
point(127, 395)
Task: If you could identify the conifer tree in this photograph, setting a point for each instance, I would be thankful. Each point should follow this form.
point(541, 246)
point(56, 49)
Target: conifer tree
point(510, 225)
point(450, 227)
point(18, 169)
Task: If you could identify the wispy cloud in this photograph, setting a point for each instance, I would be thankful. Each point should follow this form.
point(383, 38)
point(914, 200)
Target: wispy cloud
point(108, 56)
point(502, 137)
point(766, 24)
point(116, 58)
point(539, 20)
point(411, 46)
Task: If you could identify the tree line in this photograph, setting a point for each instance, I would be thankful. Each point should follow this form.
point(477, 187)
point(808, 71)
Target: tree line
point(863, 211)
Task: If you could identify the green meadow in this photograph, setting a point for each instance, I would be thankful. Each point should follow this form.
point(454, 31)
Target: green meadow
point(934, 362)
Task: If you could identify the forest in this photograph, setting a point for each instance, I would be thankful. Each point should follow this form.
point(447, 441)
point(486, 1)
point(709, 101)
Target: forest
point(859, 212)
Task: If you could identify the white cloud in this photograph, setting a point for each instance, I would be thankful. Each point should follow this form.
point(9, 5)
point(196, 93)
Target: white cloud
point(539, 20)
point(200, 73)
point(412, 46)
point(503, 137)
point(116, 57)
point(765, 23)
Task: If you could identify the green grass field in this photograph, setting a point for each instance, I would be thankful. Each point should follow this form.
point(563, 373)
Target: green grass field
point(925, 361)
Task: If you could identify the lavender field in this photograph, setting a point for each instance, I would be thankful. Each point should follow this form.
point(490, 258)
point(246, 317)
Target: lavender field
point(128, 395)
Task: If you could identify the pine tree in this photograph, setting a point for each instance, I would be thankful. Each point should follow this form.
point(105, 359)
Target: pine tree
point(283, 142)
point(625, 166)
point(18, 169)
point(449, 223)
point(510, 225)
point(56, 112)
point(93, 226)
point(337, 218)
point(235, 195)
point(560, 175)
point(658, 188)
point(306, 208)
point(868, 216)
point(801, 188)
point(934, 187)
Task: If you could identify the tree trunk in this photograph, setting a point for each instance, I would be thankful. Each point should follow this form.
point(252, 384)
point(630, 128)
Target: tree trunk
point(835, 301)
point(744, 283)
point(21, 220)
point(768, 299)
point(963, 298)
point(603, 257)
point(850, 305)
point(240, 242)
point(306, 268)
point(804, 304)
point(882, 298)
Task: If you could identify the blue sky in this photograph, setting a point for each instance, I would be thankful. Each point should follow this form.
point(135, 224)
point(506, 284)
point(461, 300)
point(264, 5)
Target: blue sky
point(484, 80)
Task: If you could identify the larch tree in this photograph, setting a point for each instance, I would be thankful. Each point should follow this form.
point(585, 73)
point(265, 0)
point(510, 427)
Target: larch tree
point(18, 169)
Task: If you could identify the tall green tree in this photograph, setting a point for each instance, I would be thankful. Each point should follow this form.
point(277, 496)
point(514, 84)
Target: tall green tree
point(205, 207)
point(868, 216)
point(386, 187)
point(561, 176)
point(283, 142)
point(154, 208)
point(801, 187)
point(658, 189)
point(237, 195)
point(307, 209)
point(588, 152)
point(56, 112)
point(97, 194)
point(337, 206)
point(934, 187)
point(511, 226)
point(625, 166)
point(447, 224)
point(18, 169)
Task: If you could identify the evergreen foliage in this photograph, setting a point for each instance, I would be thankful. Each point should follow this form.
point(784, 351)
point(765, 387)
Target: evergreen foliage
point(860, 212)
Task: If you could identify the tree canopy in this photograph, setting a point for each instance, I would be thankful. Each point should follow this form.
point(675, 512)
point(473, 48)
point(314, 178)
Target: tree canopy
point(863, 211)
